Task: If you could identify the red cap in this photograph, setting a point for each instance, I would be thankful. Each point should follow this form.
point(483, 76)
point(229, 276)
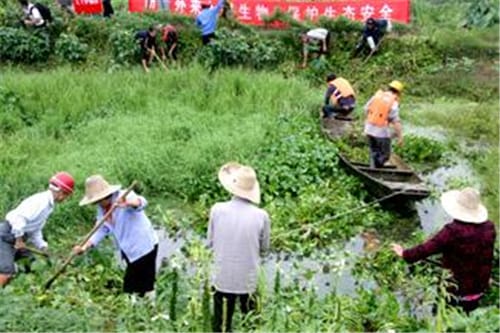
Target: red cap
point(205, 2)
point(64, 181)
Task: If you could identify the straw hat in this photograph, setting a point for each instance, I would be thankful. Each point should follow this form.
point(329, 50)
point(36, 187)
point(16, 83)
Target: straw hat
point(240, 180)
point(464, 205)
point(97, 188)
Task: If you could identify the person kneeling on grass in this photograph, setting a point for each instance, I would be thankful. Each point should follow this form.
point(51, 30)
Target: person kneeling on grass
point(238, 233)
point(314, 41)
point(466, 245)
point(26, 221)
point(147, 43)
point(133, 232)
point(340, 98)
point(170, 37)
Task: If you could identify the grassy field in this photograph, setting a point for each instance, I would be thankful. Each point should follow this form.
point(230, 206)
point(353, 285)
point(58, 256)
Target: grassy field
point(172, 131)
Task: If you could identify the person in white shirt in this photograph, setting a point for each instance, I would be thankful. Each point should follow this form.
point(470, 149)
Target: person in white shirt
point(26, 221)
point(315, 40)
point(32, 16)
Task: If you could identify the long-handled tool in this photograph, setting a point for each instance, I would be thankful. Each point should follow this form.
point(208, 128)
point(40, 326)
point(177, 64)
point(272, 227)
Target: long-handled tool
point(36, 251)
point(87, 237)
point(159, 60)
point(354, 210)
point(373, 50)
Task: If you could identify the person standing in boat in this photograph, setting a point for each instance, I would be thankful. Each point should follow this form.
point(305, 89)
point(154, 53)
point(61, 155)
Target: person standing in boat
point(466, 245)
point(382, 111)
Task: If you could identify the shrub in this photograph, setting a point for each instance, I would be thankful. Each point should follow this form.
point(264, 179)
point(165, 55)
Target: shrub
point(124, 48)
point(69, 48)
point(233, 48)
point(420, 149)
point(24, 46)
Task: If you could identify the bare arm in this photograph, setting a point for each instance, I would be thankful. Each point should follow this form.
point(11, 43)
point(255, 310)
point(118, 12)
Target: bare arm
point(398, 128)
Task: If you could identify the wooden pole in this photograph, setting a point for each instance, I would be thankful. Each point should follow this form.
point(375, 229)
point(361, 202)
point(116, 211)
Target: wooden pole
point(87, 237)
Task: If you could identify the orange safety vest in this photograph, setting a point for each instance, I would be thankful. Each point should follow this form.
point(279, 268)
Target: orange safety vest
point(344, 89)
point(166, 30)
point(379, 108)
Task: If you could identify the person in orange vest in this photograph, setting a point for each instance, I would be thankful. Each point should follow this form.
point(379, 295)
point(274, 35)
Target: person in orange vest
point(170, 37)
point(382, 110)
point(340, 98)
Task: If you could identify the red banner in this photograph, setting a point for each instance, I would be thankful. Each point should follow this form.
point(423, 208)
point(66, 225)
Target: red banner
point(88, 6)
point(252, 11)
point(147, 5)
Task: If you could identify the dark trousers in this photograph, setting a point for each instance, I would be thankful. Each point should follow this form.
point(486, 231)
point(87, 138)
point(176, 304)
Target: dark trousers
point(247, 304)
point(329, 110)
point(107, 8)
point(206, 39)
point(140, 275)
point(380, 151)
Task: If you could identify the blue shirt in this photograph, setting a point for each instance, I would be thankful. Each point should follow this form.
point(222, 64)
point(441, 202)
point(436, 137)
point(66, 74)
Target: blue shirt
point(206, 21)
point(131, 228)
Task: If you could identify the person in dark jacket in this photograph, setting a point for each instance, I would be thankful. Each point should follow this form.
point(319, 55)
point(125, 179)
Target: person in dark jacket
point(466, 245)
point(373, 32)
point(147, 43)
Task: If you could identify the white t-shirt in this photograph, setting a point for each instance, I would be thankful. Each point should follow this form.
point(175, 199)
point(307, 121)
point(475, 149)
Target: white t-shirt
point(318, 33)
point(34, 14)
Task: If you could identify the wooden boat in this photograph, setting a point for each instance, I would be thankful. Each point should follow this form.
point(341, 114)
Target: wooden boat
point(396, 178)
point(336, 127)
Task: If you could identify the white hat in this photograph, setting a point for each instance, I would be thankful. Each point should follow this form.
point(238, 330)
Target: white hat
point(96, 189)
point(240, 180)
point(464, 205)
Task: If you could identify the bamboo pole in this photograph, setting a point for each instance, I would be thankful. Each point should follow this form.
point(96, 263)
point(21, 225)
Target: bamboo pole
point(87, 237)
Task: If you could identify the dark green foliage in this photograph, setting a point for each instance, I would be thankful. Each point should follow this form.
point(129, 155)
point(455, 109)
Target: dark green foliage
point(419, 149)
point(172, 310)
point(289, 163)
point(482, 13)
point(13, 114)
point(24, 46)
point(124, 47)
point(232, 48)
point(70, 48)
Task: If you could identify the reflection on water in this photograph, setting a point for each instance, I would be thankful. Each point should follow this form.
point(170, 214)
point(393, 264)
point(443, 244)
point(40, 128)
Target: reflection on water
point(431, 215)
point(325, 270)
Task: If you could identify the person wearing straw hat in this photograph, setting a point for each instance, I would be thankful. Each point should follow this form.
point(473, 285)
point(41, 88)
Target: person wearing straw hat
point(382, 110)
point(132, 230)
point(238, 233)
point(466, 245)
point(27, 220)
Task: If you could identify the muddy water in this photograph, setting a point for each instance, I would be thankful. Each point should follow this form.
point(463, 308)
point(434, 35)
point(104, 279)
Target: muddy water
point(331, 270)
point(325, 271)
point(431, 215)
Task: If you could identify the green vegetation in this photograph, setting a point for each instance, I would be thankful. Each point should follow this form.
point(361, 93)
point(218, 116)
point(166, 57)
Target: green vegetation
point(97, 112)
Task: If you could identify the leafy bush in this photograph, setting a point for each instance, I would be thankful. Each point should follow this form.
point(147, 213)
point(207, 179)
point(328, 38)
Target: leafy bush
point(124, 48)
point(24, 46)
point(232, 48)
point(69, 48)
point(420, 149)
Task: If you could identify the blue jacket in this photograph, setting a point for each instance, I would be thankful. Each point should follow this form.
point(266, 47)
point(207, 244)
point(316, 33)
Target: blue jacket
point(377, 32)
point(206, 20)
